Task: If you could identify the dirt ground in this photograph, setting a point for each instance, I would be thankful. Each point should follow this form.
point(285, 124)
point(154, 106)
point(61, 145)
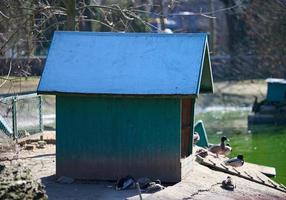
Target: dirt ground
point(43, 167)
point(42, 164)
point(202, 182)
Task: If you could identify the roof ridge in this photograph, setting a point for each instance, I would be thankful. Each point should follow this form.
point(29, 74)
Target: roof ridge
point(124, 34)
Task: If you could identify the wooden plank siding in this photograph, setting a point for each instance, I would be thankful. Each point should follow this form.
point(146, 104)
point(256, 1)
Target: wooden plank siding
point(105, 138)
point(187, 126)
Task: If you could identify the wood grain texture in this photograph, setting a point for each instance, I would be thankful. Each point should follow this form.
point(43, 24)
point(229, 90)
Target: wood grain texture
point(187, 126)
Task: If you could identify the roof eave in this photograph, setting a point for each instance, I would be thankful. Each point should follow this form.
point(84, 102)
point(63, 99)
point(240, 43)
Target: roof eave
point(115, 95)
point(199, 87)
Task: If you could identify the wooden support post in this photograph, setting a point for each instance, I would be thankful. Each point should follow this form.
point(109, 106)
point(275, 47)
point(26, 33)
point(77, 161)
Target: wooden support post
point(41, 114)
point(14, 118)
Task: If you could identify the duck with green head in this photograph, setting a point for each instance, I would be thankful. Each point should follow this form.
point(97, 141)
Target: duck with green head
point(235, 162)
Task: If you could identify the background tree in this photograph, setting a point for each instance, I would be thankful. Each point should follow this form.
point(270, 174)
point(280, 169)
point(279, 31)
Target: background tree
point(247, 37)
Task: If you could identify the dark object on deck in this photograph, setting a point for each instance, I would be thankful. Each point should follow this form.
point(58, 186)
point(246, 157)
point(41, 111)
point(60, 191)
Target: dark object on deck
point(150, 186)
point(2, 167)
point(41, 144)
point(29, 147)
point(154, 187)
point(235, 162)
point(125, 183)
point(144, 182)
point(228, 184)
point(202, 152)
point(117, 112)
point(271, 110)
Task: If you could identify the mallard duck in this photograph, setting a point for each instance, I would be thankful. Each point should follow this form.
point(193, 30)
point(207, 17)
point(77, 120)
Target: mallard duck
point(221, 148)
point(229, 148)
point(196, 137)
point(228, 184)
point(202, 152)
point(125, 183)
point(235, 162)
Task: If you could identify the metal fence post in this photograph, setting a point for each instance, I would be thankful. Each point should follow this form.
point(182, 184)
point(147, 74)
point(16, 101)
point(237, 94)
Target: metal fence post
point(14, 118)
point(40, 114)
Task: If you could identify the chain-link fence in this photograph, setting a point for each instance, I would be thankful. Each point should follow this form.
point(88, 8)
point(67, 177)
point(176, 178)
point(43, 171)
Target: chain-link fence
point(21, 115)
point(28, 114)
point(6, 116)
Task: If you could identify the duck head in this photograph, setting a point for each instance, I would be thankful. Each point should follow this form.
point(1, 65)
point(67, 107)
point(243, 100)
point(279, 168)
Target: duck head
point(240, 157)
point(224, 138)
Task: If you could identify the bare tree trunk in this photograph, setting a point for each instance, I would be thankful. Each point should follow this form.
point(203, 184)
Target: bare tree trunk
point(163, 27)
point(212, 26)
point(71, 14)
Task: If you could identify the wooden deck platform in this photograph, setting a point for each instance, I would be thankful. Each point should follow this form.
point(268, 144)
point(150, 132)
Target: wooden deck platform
point(248, 171)
point(266, 170)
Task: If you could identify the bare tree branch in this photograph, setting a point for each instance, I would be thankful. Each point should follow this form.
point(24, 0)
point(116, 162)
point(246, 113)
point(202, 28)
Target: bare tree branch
point(8, 74)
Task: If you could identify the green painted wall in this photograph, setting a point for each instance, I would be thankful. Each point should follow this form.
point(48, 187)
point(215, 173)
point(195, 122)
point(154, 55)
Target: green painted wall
point(107, 138)
point(206, 83)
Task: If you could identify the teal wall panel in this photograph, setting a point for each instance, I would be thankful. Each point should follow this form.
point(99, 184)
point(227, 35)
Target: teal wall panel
point(107, 138)
point(276, 92)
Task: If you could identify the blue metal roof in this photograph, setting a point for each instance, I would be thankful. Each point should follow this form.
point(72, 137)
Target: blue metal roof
point(126, 64)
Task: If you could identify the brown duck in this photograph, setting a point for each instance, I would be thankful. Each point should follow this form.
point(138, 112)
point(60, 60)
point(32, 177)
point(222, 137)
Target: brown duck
point(220, 149)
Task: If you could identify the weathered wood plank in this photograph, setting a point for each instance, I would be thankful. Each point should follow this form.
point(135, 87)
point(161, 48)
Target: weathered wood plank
point(246, 171)
point(268, 171)
point(186, 166)
point(185, 127)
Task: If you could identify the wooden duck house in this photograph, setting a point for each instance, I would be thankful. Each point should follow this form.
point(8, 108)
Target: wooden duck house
point(125, 102)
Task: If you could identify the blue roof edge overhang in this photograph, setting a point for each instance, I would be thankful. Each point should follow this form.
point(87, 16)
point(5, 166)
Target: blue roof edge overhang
point(118, 95)
point(205, 79)
point(205, 82)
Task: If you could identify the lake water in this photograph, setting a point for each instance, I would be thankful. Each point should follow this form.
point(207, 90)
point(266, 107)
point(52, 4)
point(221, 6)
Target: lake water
point(264, 145)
